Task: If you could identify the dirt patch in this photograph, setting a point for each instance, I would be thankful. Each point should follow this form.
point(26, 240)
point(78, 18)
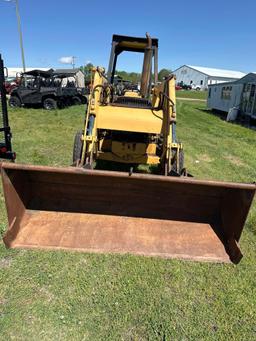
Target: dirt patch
point(205, 158)
point(46, 294)
point(3, 301)
point(234, 160)
point(191, 99)
point(5, 262)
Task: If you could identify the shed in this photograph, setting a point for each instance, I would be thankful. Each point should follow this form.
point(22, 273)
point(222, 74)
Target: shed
point(76, 74)
point(240, 94)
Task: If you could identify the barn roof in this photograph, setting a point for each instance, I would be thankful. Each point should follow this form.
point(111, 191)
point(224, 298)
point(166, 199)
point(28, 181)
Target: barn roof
point(249, 78)
point(218, 72)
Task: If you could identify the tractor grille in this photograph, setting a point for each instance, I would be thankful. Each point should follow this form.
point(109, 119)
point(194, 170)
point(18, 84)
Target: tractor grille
point(134, 102)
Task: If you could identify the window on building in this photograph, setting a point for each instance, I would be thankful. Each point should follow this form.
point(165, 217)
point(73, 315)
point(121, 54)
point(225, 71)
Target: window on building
point(226, 92)
point(191, 82)
point(201, 82)
point(223, 92)
point(209, 92)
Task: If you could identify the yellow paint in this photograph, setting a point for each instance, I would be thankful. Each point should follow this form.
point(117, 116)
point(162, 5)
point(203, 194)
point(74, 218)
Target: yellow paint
point(129, 119)
point(144, 159)
point(132, 94)
point(134, 44)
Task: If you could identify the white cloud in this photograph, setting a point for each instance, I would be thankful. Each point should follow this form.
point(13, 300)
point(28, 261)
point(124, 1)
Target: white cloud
point(66, 60)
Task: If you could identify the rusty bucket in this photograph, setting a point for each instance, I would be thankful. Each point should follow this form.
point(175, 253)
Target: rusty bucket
point(112, 212)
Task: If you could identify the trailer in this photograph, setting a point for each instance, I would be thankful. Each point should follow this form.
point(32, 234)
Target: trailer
point(239, 95)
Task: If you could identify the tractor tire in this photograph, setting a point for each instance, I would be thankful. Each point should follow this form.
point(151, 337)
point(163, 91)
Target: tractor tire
point(50, 104)
point(181, 164)
point(84, 100)
point(78, 145)
point(14, 102)
point(76, 100)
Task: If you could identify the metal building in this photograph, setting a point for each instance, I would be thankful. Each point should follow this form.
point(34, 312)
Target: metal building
point(240, 95)
point(200, 77)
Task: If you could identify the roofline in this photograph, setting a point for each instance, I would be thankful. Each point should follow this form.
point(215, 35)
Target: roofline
point(237, 81)
point(222, 84)
point(250, 73)
point(191, 69)
point(206, 74)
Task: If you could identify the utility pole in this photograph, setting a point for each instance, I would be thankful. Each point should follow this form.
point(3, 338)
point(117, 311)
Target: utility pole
point(73, 62)
point(20, 32)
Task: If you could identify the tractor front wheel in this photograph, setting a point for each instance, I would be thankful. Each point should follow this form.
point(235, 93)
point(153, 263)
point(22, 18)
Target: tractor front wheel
point(78, 145)
point(175, 167)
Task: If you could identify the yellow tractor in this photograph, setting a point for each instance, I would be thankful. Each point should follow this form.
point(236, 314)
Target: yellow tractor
point(131, 127)
point(80, 208)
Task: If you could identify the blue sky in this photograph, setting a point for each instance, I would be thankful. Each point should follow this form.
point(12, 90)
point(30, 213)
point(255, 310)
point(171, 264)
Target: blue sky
point(216, 33)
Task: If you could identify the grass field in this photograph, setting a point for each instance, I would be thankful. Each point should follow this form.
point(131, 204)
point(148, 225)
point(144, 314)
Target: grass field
point(192, 94)
point(76, 296)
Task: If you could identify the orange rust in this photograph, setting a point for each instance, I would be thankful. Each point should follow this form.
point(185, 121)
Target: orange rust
point(102, 211)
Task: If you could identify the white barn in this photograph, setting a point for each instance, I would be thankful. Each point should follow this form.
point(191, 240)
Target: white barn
point(201, 77)
point(240, 95)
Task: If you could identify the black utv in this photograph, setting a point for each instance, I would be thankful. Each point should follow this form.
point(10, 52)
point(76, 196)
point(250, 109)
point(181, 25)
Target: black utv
point(48, 89)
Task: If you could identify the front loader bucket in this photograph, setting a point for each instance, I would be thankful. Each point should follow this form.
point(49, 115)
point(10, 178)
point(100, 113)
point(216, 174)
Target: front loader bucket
point(100, 211)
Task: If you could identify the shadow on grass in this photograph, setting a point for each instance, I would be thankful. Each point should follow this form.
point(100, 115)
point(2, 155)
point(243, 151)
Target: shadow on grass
point(244, 121)
point(126, 168)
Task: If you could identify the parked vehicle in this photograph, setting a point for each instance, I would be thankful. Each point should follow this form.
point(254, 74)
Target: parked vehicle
point(47, 88)
point(184, 86)
point(10, 84)
point(196, 87)
point(178, 87)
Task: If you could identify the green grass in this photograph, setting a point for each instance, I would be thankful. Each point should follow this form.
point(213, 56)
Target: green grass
point(51, 295)
point(192, 94)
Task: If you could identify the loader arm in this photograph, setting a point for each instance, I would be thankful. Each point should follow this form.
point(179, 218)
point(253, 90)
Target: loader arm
point(158, 118)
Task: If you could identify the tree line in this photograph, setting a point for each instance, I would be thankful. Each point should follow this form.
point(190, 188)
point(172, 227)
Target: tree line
point(133, 77)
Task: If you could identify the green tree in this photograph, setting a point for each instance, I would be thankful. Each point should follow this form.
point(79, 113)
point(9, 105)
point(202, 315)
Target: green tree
point(129, 76)
point(163, 73)
point(87, 70)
